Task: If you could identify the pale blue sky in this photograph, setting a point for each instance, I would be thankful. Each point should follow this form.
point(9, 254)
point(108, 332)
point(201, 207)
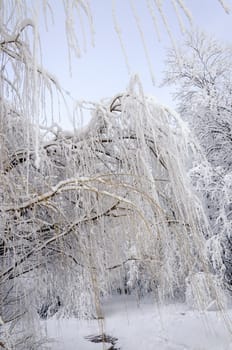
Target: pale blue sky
point(101, 71)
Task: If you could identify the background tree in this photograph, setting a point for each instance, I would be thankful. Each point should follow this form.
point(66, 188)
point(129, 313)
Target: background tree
point(202, 72)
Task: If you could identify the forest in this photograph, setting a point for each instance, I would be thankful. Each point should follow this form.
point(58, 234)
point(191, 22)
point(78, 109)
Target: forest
point(133, 204)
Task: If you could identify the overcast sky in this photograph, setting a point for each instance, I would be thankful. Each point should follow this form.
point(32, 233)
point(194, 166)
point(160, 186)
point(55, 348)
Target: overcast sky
point(101, 71)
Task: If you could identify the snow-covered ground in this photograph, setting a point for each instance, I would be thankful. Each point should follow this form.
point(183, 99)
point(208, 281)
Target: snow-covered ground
point(144, 327)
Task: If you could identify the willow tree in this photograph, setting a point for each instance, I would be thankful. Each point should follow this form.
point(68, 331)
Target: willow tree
point(92, 212)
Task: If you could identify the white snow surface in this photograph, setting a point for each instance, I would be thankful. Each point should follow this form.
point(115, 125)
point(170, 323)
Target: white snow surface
point(144, 326)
